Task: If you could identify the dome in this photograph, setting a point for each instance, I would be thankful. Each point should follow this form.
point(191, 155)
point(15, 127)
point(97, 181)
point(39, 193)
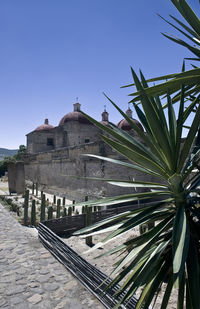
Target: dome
point(75, 116)
point(124, 124)
point(45, 126)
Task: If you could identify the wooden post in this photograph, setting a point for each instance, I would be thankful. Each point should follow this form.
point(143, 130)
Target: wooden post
point(63, 201)
point(36, 189)
point(54, 199)
point(33, 188)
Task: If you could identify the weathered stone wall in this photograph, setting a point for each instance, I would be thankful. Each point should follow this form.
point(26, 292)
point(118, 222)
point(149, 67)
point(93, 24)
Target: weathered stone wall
point(16, 177)
point(72, 133)
point(80, 133)
point(52, 171)
point(37, 141)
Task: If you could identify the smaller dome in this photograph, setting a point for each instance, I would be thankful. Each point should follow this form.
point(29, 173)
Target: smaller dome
point(74, 116)
point(124, 124)
point(45, 126)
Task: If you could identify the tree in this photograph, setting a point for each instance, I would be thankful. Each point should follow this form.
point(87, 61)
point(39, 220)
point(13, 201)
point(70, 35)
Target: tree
point(172, 247)
point(20, 153)
point(4, 165)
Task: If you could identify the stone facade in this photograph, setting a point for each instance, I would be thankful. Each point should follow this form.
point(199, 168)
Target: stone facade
point(55, 154)
point(16, 178)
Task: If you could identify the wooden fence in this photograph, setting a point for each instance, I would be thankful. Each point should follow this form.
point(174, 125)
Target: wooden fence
point(67, 225)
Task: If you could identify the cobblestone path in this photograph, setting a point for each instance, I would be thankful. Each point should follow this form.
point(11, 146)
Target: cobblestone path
point(30, 277)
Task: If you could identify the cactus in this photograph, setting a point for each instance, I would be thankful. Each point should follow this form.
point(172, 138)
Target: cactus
point(142, 228)
point(36, 189)
point(145, 227)
point(33, 188)
point(150, 225)
point(42, 211)
point(83, 209)
point(64, 214)
point(63, 201)
point(26, 199)
point(50, 213)
point(54, 199)
point(95, 208)
point(88, 221)
point(69, 211)
point(73, 207)
point(41, 194)
point(33, 213)
point(58, 209)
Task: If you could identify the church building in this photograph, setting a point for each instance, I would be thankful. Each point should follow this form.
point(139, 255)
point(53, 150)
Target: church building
point(55, 154)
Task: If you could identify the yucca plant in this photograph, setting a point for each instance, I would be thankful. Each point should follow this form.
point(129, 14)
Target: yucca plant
point(190, 30)
point(172, 247)
point(167, 255)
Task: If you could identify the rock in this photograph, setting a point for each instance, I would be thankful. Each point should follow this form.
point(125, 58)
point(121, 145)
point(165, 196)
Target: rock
point(35, 299)
point(51, 286)
point(15, 290)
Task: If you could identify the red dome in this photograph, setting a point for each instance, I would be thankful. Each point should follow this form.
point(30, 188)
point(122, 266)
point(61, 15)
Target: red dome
point(124, 125)
point(45, 126)
point(74, 116)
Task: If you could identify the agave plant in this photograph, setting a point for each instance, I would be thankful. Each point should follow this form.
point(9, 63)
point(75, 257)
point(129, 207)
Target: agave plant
point(172, 246)
point(191, 78)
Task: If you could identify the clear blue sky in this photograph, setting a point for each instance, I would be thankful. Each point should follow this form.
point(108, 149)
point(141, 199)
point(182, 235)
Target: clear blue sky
point(53, 51)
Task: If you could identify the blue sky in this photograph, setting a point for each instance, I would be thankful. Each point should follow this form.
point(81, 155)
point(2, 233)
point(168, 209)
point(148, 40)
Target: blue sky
point(54, 51)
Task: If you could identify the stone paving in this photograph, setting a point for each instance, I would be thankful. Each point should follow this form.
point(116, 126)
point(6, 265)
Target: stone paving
point(30, 277)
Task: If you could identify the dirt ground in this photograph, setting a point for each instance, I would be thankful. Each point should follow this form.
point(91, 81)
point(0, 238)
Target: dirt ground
point(105, 263)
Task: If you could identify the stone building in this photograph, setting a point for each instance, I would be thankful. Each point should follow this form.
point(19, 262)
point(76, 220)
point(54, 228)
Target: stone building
point(55, 154)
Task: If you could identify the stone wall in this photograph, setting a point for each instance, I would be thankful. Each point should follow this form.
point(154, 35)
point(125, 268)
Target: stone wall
point(37, 141)
point(72, 133)
point(16, 177)
point(80, 133)
point(53, 171)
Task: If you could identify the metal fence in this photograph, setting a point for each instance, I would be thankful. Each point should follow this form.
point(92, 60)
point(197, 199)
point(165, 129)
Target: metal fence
point(91, 277)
